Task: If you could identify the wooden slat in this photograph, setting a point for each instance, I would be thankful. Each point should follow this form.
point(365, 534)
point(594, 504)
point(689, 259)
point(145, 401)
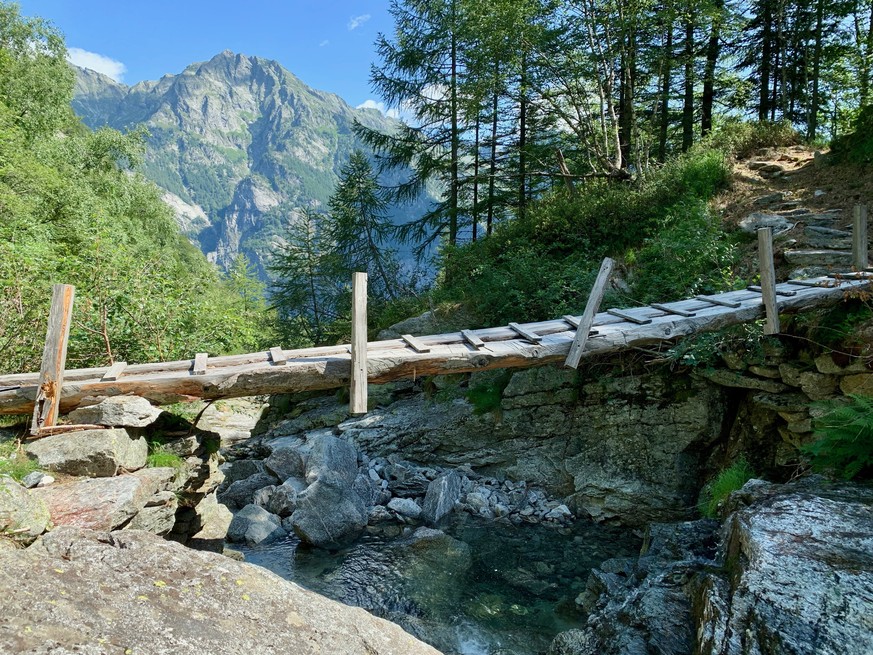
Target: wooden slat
point(358, 380)
point(672, 310)
point(54, 357)
point(854, 275)
point(472, 339)
point(812, 283)
point(572, 320)
point(587, 320)
point(200, 364)
point(767, 270)
point(629, 317)
point(860, 246)
point(414, 343)
point(525, 333)
point(277, 356)
point(114, 372)
point(778, 292)
point(715, 300)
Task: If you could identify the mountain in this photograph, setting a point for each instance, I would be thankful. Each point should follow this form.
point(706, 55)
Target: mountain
point(238, 143)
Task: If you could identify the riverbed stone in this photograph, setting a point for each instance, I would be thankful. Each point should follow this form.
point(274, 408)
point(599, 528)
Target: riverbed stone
point(23, 515)
point(150, 595)
point(443, 493)
point(405, 507)
point(285, 463)
point(242, 492)
point(280, 500)
point(117, 412)
point(211, 521)
point(92, 453)
point(158, 515)
point(254, 525)
point(329, 513)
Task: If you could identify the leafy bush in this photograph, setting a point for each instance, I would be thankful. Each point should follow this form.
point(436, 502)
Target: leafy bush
point(729, 480)
point(845, 439)
point(857, 146)
point(741, 139)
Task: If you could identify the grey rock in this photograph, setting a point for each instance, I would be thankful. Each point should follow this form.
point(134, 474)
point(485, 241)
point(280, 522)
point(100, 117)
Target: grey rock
point(152, 606)
point(117, 412)
point(241, 469)
point(285, 463)
point(329, 454)
point(821, 257)
point(406, 480)
point(242, 492)
point(212, 520)
point(93, 453)
point(22, 514)
point(405, 507)
point(45, 481)
point(769, 199)
point(379, 514)
point(158, 516)
point(442, 495)
point(280, 500)
point(329, 513)
point(757, 220)
point(32, 479)
point(255, 525)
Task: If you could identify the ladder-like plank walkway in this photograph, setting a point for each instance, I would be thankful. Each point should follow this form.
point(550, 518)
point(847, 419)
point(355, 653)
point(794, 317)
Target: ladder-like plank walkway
point(530, 344)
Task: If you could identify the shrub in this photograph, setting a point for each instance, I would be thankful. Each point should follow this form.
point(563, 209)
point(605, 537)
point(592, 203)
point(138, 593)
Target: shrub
point(845, 439)
point(729, 480)
point(741, 139)
point(486, 397)
point(857, 146)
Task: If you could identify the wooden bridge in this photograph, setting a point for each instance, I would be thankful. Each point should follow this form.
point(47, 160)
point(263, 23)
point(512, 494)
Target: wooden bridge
point(568, 339)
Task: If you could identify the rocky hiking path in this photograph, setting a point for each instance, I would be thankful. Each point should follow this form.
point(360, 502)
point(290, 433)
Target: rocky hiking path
point(807, 200)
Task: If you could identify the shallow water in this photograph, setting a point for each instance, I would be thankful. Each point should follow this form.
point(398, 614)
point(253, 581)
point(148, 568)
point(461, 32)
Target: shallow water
point(509, 593)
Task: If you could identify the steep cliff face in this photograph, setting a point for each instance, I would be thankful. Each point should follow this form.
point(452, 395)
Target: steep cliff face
point(238, 140)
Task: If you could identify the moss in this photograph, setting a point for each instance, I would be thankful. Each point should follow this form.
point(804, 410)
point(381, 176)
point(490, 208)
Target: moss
point(487, 397)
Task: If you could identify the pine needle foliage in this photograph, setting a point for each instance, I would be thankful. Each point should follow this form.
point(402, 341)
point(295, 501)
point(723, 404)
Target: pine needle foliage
point(845, 440)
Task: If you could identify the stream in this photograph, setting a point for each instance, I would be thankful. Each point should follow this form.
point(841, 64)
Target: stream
point(478, 587)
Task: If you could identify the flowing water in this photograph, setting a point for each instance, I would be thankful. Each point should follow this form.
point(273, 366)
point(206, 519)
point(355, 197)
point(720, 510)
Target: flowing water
point(492, 589)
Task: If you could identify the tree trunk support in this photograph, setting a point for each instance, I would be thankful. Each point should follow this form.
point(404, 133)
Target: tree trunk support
point(54, 358)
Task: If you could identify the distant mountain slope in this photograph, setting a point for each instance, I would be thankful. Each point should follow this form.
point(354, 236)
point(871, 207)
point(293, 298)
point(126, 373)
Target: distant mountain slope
point(238, 143)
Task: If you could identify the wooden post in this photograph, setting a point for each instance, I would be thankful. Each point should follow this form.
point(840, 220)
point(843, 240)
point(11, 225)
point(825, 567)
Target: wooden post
point(768, 279)
point(358, 380)
point(860, 260)
point(587, 320)
point(54, 357)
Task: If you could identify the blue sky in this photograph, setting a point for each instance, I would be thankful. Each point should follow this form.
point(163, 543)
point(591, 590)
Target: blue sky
point(328, 44)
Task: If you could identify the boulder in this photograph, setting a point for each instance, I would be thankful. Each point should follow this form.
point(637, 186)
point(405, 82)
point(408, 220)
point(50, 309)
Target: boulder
point(405, 507)
point(442, 495)
point(285, 463)
point(242, 492)
point(329, 513)
point(23, 515)
point(280, 500)
point(756, 220)
point(117, 412)
point(67, 593)
point(158, 516)
point(92, 453)
point(255, 525)
point(329, 454)
point(212, 520)
point(104, 503)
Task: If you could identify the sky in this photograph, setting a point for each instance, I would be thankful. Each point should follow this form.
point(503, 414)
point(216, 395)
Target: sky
point(327, 44)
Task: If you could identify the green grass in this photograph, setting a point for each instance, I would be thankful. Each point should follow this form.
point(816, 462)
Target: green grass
point(486, 397)
point(729, 480)
point(160, 457)
point(14, 462)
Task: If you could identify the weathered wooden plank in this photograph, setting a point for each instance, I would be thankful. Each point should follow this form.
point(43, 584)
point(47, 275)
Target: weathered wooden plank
point(54, 357)
point(331, 372)
point(358, 381)
point(525, 333)
point(672, 310)
point(779, 292)
point(277, 356)
point(414, 343)
point(629, 317)
point(470, 338)
point(860, 245)
point(583, 327)
point(114, 372)
point(812, 283)
point(199, 367)
point(715, 300)
point(768, 280)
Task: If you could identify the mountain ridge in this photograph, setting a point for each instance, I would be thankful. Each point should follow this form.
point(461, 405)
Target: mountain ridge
point(238, 143)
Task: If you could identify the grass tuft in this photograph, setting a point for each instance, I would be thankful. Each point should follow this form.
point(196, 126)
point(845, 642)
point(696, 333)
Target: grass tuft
point(729, 480)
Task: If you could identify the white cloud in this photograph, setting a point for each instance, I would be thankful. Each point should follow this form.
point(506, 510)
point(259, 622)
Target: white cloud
point(323, 43)
point(96, 62)
point(379, 106)
point(357, 21)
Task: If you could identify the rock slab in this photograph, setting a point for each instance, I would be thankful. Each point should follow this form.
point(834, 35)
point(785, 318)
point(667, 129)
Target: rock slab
point(117, 412)
point(23, 515)
point(170, 599)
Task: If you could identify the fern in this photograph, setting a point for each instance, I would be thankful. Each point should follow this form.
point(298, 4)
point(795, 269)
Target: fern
point(845, 440)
